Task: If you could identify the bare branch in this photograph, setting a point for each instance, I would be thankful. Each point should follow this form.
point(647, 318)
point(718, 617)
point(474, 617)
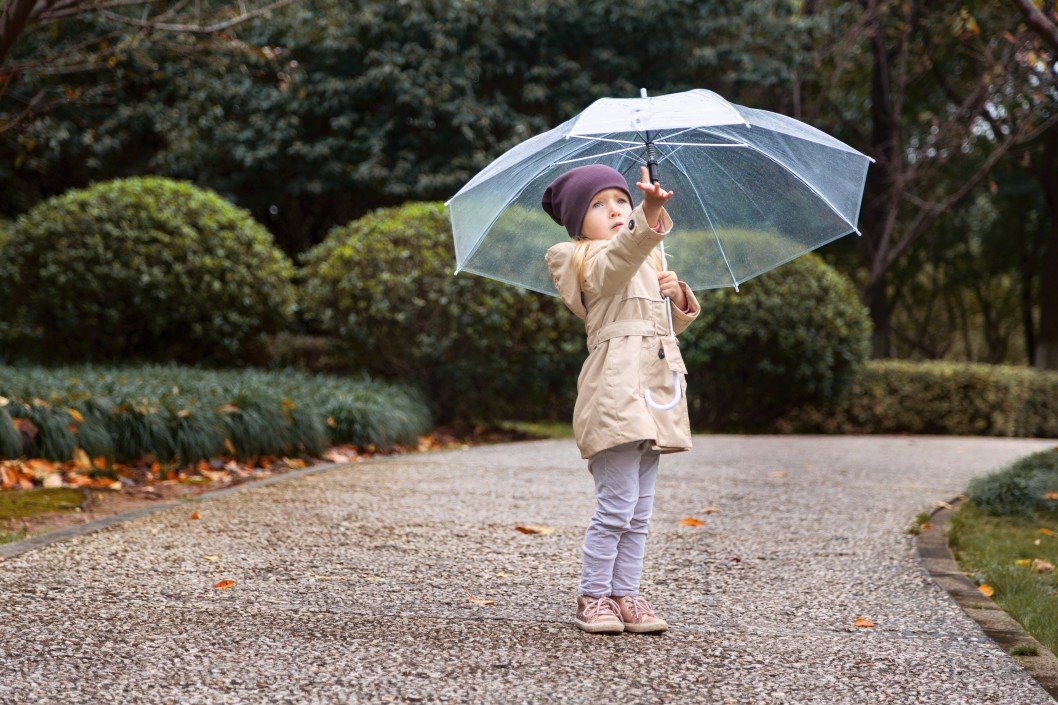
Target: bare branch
point(1043, 25)
point(214, 28)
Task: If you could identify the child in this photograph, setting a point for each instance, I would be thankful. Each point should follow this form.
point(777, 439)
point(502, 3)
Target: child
point(604, 278)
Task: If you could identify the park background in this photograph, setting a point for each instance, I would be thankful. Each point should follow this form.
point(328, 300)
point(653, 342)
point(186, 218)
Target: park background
point(204, 201)
point(224, 251)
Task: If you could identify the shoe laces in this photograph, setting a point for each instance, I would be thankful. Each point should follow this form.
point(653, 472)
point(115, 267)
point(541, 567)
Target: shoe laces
point(639, 606)
point(601, 605)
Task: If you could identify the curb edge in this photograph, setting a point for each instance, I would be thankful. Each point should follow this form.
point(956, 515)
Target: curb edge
point(935, 556)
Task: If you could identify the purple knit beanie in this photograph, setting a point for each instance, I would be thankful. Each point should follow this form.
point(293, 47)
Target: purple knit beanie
point(566, 199)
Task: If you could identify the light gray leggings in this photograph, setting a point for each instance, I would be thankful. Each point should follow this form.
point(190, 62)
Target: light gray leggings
point(617, 534)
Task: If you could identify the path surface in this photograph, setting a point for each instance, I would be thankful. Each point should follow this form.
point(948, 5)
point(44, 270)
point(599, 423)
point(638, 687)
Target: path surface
point(352, 586)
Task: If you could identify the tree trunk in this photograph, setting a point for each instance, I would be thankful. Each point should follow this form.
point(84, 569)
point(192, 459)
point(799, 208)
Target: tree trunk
point(1046, 356)
point(883, 143)
point(877, 300)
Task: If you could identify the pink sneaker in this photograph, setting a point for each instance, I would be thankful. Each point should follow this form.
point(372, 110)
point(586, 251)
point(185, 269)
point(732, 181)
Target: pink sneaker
point(598, 615)
point(638, 616)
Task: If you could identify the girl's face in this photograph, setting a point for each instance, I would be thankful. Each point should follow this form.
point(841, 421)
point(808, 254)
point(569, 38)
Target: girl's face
point(607, 212)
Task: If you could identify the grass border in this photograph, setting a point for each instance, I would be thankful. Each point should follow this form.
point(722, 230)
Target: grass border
point(936, 557)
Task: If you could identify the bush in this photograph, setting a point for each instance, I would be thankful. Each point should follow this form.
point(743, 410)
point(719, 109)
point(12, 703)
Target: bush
point(1024, 487)
point(182, 414)
point(796, 335)
point(481, 349)
point(901, 396)
point(141, 268)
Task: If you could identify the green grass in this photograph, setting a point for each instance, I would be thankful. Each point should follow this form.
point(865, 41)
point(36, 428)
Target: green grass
point(18, 504)
point(987, 546)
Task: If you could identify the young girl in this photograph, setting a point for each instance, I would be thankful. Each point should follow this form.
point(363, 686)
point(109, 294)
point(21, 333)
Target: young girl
point(604, 277)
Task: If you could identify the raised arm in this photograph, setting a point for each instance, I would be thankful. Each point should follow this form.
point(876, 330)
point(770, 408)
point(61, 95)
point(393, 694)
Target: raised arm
point(610, 265)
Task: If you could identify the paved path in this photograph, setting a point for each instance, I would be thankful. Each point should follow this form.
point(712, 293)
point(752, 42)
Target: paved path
point(352, 586)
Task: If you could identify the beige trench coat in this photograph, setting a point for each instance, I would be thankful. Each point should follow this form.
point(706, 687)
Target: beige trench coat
point(627, 328)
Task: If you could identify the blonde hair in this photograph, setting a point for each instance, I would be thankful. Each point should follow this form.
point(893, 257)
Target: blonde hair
point(580, 249)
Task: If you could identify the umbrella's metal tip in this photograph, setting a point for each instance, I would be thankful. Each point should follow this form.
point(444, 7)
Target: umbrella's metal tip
point(859, 233)
point(873, 160)
point(736, 287)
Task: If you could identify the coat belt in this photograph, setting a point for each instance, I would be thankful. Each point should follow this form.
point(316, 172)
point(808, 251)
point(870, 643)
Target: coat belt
point(617, 329)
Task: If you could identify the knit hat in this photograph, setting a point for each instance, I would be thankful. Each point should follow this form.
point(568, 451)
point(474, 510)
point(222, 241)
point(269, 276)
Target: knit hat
point(566, 199)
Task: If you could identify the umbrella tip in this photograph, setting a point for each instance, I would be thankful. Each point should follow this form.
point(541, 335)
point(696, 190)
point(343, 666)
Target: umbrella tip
point(858, 231)
point(642, 92)
point(736, 287)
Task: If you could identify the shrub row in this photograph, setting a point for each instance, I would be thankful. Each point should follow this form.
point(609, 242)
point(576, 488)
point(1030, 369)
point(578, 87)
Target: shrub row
point(383, 286)
point(900, 396)
point(155, 269)
point(181, 414)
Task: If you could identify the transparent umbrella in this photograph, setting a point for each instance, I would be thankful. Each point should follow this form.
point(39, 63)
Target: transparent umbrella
point(754, 189)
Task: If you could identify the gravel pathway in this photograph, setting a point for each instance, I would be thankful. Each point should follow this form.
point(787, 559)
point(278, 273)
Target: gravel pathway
point(353, 585)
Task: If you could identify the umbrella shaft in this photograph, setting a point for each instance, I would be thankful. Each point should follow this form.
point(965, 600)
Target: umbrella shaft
point(667, 300)
point(652, 165)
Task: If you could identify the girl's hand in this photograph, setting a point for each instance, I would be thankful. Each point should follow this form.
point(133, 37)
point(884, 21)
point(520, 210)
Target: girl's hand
point(669, 284)
point(654, 196)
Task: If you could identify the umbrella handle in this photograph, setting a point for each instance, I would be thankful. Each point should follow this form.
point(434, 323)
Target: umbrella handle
point(675, 400)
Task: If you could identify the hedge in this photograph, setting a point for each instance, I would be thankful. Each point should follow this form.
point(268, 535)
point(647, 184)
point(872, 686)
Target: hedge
point(182, 414)
point(939, 397)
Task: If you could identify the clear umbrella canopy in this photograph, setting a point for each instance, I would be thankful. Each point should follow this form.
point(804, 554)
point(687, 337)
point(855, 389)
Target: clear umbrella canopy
point(753, 188)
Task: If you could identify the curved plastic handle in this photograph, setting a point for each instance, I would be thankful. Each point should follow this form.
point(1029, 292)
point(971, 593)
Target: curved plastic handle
point(675, 400)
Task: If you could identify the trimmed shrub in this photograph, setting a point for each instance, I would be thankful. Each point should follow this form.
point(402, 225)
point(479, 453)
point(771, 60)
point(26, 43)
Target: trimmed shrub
point(941, 397)
point(480, 348)
point(1023, 488)
point(796, 335)
point(182, 414)
point(141, 268)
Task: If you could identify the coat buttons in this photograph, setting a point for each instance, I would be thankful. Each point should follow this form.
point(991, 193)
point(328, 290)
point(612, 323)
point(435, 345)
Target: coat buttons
point(661, 353)
point(631, 223)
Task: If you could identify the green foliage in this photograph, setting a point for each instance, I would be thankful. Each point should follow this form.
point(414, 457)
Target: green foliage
point(795, 335)
point(182, 414)
point(384, 285)
point(1019, 488)
point(351, 106)
point(1001, 550)
point(141, 268)
point(899, 396)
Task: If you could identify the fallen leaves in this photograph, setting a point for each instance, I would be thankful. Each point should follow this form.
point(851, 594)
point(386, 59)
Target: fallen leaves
point(535, 529)
point(223, 470)
point(863, 622)
point(986, 589)
point(226, 583)
point(1037, 564)
point(478, 600)
point(691, 521)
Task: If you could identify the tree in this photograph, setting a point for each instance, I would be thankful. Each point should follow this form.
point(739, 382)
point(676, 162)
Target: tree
point(1042, 163)
point(116, 24)
point(963, 84)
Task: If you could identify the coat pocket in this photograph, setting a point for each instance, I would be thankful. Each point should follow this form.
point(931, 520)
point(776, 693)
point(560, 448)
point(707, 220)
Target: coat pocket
point(672, 354)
